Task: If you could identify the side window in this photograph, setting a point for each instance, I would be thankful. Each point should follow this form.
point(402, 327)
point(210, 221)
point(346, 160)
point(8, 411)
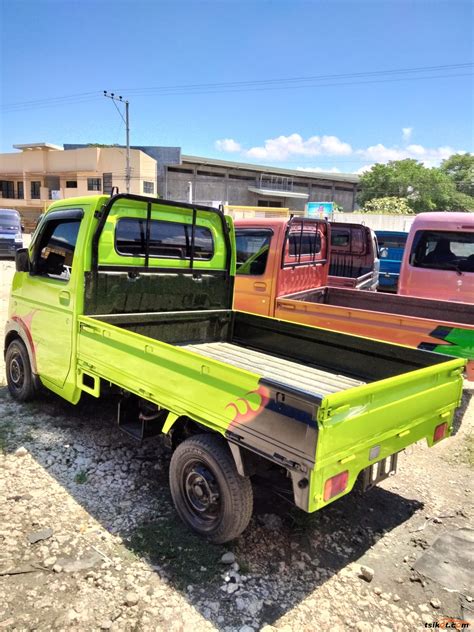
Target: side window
point(252, 251)
point(54, 253)
point(168, 240)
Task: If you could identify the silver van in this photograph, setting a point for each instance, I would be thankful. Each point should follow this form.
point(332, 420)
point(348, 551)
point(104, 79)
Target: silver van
point(11, 232)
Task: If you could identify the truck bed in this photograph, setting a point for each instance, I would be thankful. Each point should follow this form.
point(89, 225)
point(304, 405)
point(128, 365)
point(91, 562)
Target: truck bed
point(292, 374)
point(304, 397)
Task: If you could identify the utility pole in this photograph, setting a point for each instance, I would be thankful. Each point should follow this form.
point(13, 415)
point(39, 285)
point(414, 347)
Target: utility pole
point(126, 120)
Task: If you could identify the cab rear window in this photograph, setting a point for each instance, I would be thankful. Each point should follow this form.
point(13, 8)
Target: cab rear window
point(443, 250)
point(168, 240)
point(348, 240)
point(306, 243)
point(391, 241)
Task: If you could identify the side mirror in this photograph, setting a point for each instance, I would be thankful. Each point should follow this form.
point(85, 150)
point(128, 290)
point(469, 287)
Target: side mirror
point(383, 253)
point(22, 226)
point(22, 260)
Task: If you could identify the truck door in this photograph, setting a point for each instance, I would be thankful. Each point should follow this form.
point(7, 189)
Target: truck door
point(44, 305)
point(254, 276)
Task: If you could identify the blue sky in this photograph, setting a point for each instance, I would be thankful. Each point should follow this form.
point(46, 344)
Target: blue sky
point(55, 49)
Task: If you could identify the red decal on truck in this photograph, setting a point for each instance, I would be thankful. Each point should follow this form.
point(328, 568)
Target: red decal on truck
point(243, 409)
point(26, 323)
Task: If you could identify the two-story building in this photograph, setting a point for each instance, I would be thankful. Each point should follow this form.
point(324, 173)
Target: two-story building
point(40, 172)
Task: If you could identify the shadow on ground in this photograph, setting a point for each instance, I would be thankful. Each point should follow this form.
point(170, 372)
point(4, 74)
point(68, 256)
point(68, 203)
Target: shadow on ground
point(286, 557)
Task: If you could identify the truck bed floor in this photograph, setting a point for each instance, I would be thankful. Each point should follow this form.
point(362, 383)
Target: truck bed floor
point(288, 372)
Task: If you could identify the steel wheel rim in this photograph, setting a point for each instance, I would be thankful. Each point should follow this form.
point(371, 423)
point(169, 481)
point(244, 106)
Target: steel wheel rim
point(16, 371)
point(201, 494)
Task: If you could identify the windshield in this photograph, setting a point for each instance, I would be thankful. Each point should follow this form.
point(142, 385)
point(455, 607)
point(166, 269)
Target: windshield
point(9, 220)
point(443, 250)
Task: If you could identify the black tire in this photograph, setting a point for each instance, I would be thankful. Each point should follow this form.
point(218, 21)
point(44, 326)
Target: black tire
point(19, 375)
point(209, 494)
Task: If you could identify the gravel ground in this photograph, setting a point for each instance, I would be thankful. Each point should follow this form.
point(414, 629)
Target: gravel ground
point(89, 539)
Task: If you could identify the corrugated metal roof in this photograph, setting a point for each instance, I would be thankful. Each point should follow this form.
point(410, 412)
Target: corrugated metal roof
point(312, 175)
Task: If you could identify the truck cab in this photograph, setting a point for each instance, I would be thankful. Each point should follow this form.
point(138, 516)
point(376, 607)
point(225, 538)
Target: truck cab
point(277, 256)
point(391, 247)
point(439, 258)
point(354, 261)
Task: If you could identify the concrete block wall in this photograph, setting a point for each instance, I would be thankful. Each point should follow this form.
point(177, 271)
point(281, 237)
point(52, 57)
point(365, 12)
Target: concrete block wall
point(377, 222)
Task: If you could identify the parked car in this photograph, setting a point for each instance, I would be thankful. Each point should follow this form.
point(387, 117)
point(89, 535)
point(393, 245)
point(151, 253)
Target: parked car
point(11, 232)
point(391, 248)
point(439, 258)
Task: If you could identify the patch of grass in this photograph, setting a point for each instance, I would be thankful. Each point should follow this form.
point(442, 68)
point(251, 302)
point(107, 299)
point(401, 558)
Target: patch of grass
point(181, 553)
point(301, 521)
point(6, 432)
point(245, 568)
point(81, 477)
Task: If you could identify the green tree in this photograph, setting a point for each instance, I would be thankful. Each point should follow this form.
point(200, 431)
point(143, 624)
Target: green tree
point(460, 168)
point(423, 188)
point(388, 206)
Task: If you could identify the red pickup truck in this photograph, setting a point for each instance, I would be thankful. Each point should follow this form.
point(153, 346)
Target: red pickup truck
point(282, 271)
point(354, 262)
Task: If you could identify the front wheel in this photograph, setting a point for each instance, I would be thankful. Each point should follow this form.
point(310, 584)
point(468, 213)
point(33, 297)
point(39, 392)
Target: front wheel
point(209, 494)
point(19, 375)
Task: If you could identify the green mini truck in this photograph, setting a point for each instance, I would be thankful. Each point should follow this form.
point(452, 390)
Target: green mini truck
point(133, 295)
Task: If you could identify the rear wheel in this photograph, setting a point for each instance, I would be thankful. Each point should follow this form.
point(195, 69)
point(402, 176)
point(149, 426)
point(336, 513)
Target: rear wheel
point(209, 494)
point(19, 375)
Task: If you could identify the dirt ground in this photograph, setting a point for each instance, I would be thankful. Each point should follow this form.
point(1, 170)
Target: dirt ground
point(89, 539)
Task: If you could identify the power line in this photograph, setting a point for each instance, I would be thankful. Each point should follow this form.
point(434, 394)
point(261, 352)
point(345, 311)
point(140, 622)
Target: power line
point(259, 85)
point(303, 79)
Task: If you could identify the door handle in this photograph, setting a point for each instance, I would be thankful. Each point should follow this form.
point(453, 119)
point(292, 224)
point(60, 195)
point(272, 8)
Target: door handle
point(260, 286)
point(64, 297)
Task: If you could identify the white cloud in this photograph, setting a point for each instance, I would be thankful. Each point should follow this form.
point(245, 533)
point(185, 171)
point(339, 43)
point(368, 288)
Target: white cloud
point(228, 144)
point(319, 169)
point(283, 147)
point(429, 156)
point(287, 148)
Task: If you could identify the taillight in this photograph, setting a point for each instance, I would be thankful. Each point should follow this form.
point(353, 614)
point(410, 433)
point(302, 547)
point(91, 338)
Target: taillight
point(440, 432)
point(335, 485)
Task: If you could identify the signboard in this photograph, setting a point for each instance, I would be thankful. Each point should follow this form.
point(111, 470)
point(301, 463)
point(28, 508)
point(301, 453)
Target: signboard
point(319, 209)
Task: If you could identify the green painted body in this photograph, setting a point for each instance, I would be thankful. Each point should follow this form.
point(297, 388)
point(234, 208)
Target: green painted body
point(73, 352)
point(461, 344)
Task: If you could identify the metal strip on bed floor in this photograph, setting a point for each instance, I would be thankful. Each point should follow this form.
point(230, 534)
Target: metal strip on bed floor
point(289, 372)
